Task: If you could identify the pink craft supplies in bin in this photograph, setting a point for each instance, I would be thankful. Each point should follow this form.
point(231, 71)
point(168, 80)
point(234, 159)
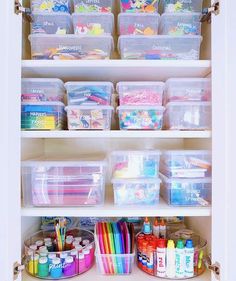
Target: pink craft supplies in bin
point(63, 183)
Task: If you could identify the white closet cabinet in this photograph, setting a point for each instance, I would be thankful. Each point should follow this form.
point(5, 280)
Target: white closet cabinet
point(214, 223)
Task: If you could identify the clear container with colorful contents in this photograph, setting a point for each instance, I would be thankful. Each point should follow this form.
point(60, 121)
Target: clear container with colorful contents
point(51, 6)
point(130, 164)
point(180, 24)
point(51, 23)
point(42, 116)
point(159, 47)
point(188, 116)
point(42, 89)
point(85, 117)
point(186, 163)
point(140, 93)
point(89, 93)
point(93, 23)
point(91, 6)
point(63, 183)
point(44, 260)
point(144, 117)
point(186, 191)
point(136, 191)
point(137, 6)
point(182, 6)
point(70, 47)
point(138, 24)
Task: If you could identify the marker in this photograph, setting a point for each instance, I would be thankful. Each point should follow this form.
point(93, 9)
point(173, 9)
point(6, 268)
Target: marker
point(147, 226)
point(156, 228)
point(189, 257)
point(162, 229)
point(170, 259)
point(161, 257)
point(179, 259)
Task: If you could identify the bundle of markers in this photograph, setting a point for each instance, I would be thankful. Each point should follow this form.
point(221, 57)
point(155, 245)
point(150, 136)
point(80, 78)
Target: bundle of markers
point(115, 247)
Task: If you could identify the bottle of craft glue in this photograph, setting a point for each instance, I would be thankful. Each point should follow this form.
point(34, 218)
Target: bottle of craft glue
point(189, 258)
point(147, 226)
point(156, 228)
point(161, 257)
point(180, 259)
point(162, 229)
point(170, 262)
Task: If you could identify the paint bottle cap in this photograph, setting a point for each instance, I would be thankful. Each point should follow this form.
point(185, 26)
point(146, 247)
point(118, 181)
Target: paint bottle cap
point(48, 239)
point(161, 243)
point(78, 248)
point(73, 252)
point(48, 243)
point(189, 243)
point(85, 242)
point(52, 256)
point(146, 220)
point(81, 256)
point(156, 222)
point(63, 255)
point(171, 244)
point(33, 247)
point(78, 239)
point(35, 257)
point(75, 243)
point(39, 243)
point(30, 252)
point(180, 244)
point(43, 254)
point(69, 240)
point(69, 259)
point(43, 260)
point(90, 247)
point(42, 249)
point(162, 222)
point(70, 237)
point(86, 251)
point(56, 261)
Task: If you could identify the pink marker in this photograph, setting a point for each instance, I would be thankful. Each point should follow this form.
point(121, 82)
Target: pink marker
point(82, 267)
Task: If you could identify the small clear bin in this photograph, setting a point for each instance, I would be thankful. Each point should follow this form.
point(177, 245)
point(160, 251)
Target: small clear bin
point(42, 116)
point(138, 24)
point(182, 6)
point(136, 191)
point(42, 89)
point(63, 183)
point(140, 93)
point(147, 117)
point(159, 47)
point(188, 116)
point(187, 89)
point(186, 163)
point(51, 6)
point(89, 93)
point(135, 164)
point(180, 24)
point(186, 192)
point(90, 6)
point(51, 23)
point(70, 47)
point(82, 117)
point(115, 264)
point(137, 6)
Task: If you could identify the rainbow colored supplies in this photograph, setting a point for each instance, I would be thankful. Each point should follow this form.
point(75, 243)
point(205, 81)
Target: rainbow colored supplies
point(51, 6)
point(142, 6)
point(114, 247)
point(93, 6)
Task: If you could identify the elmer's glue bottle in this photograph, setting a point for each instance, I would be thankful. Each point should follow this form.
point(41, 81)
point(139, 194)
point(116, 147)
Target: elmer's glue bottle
point(161, 257)
point(147, 226)
point(150, 251)
point(189, 257)
point(156, 228)
point(170, 259)
point(180, 259)
point(162, 229)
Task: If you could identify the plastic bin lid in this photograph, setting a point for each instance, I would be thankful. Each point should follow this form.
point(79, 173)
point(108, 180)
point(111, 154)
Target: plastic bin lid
point(186, 152)
point(140, 107)
point(190, 80)
point(50, 14)
point(139, 180)
point(88, 83)
point(148, 152)
point(188, 103)
point(185, 180)
point(95, 14)
point(186, 14)
point(43, 81)
point(58, 103)
point(139, 84)
point(130, 15)
point(88, 107)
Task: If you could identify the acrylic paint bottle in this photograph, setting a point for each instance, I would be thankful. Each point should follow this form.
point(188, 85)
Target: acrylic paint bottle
point(156, 229)
point(56, 268)
point(162, 229)
point(161, 257)
point(180, 259)
point(75, 255)
point(87, 257)
point(69, 266)
point(43, 269)
point(33, 264)
point(189, 258)
point(82, 267)
point(170, 259)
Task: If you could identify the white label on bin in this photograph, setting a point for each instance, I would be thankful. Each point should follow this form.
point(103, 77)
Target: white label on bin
point(161, 48)
point(139, 25)
point(186, 1)
point(92, 1)
point(47, 23)
point(70, 48)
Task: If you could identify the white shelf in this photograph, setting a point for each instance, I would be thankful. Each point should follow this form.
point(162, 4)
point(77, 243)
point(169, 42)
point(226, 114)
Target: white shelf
point(115, 70)
point(136, 275)
point(116, 134)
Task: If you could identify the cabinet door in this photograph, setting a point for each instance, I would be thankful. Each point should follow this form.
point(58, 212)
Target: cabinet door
point(10, 69)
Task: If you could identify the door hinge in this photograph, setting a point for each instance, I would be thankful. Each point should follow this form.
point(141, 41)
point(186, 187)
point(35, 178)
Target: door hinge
point(214, 267)
point(207, 12)
point(17, 269)
point(26, 12)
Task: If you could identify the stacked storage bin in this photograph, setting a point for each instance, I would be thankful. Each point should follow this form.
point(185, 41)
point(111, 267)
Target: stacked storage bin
point(42, 106)
point(135, 177)
point(183, 19)
point(89, 105)
point(53, 27)
point(186, 177)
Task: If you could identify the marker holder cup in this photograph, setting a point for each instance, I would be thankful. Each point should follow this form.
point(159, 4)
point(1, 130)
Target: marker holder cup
point(52, 270)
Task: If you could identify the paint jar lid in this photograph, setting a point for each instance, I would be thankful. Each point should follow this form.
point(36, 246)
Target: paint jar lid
point(30, 252)
point(48, 243)
point(63, 255)
point(70, 237)
point(48, 239)
point(78, 239)
point(78, 248)
point(76, 243)
point(81, 256)
point(56, 261)
point(39, 243)
point(69, 259)
point(74, 252)
point(33, 247)
point(69, 240)
point(42, 249)
point(86, 251)
point(43, 254)
point(52, 256)
point(43, 260)
point(85, 242)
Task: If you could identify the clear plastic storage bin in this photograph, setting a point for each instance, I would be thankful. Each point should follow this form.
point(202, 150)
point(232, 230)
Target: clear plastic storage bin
point(89, 117)
point(140, 117)
point(180, 24)
point(138, 24)
point(140, 93)
point(136, 192)
point(50, 23)
point(188, 116)
point(182, 6)
point(42, 116)
point(90, 6)
point(89, 93)
point(135, 164)
point(160, 47)
point(51, 6)
point(115, 264)
point(42, 89)
point(70, 47)
point(187, 89)
point(186, 163)
point(186, 192)
point(93, 23)
point(137, 6)
point(63, 183)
